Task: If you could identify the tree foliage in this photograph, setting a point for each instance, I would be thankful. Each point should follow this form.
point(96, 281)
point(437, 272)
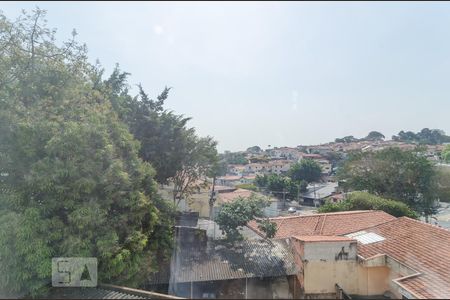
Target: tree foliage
point(234, 158)
point(346, 139)
point(366, 201)
point(405, 176)
point(268, 227)
point(374, 136)
point(445, 155)
point(254, 149)
point(72, 182)
point(233, 216)
point(443, 183)
point(279, 185)
point(307, 170)
point(425, 136)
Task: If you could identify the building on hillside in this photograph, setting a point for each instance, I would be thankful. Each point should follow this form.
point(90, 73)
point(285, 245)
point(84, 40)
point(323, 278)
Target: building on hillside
point(325, 165)
point(366, 254)
point(237, 170)
point(255, 168)
point(278, 167)
point(285, 153)
point(233, 180)
point(228, 196)
point(310, 156)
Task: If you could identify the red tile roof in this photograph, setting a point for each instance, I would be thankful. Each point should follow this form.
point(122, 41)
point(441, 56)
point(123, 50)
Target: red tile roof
point(231, 196)
point(338, 223)
point(322, 238)
point(421, 246)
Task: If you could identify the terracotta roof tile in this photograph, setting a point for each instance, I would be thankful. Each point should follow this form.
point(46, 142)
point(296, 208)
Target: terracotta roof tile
point(322, 238)
point(423, 247)
point(231, 196)
point(339, 223)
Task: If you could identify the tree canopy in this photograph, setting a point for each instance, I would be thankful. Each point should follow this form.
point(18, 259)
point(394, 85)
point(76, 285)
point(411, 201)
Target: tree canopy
point(374, 136)
point(72, 182)
point(234, 158)
point(307, 169)
point(425, 136)
point(405, 176)
point(281, 186)
point(346, 139)
point(254, 149)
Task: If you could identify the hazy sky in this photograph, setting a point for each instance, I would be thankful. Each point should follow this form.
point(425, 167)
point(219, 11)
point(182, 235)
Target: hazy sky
point(282, 74)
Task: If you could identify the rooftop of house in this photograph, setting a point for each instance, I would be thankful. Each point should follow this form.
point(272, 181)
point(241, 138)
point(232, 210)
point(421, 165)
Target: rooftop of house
point(233, 195)
point(322, 238)
point(421, 246)
point(247, 259)
point(103, 291)
point(320, 191)
point(330, 224)
point(306, 155)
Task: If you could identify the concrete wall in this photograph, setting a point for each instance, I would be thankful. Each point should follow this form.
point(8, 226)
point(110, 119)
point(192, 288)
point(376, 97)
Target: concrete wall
point(324, 264)
point(330, 251)
point(321, 277)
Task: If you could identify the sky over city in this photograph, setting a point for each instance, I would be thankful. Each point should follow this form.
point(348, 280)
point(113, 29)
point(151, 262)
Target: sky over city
point(279, 74)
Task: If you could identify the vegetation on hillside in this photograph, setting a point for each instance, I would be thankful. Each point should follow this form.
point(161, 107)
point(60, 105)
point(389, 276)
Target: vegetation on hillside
point(425, 136)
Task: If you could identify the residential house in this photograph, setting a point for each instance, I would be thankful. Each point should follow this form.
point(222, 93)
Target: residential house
point(366, 254)
point(233, 180)
point(238, 170)
point(317, 193)
point(255, 168)
point(285, 153)
point(278, 166)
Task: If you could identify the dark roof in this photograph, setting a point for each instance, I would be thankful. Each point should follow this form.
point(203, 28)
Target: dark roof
point(103, 291)
point(88, 293)
point(247, 259)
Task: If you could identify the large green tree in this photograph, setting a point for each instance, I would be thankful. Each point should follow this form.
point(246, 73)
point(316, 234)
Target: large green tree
point(181, 158)
point(307, 170)
point(71, 179)
point(425, 136)
point(374, 136)
point(406, 176)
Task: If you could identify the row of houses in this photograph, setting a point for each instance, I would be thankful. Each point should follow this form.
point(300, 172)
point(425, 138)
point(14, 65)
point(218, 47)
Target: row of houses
point(278, 167)
point(357, 254)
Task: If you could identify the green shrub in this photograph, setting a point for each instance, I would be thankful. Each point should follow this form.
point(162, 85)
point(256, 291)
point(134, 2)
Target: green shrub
point(366, 201)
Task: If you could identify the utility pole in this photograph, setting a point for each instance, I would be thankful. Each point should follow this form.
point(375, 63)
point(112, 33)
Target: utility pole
point(212, 199)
